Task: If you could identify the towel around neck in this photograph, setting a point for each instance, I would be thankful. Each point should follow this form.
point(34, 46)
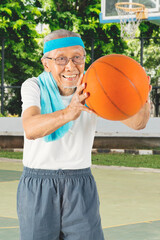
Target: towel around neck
point(51, 101)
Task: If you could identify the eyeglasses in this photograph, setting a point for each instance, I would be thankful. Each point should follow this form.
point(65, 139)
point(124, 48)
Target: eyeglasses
point(77, 60)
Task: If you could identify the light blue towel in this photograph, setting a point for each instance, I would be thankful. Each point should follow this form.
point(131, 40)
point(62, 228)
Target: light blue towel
point(51, 101)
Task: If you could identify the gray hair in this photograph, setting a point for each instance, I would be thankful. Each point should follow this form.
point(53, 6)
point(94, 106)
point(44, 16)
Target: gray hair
point(59, 34)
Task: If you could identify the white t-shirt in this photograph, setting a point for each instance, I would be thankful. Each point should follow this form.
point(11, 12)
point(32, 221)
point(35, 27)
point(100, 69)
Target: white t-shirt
point(72, 151)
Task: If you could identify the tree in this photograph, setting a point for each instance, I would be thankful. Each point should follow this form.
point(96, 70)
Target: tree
point(22, 51)
point(82, 16)
point(150, 33)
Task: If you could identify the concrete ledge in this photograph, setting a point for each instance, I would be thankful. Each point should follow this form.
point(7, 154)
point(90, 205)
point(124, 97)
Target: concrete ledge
point(11, 142)
point(126, 142)
point(107, 151)
point(11, 126)
point(129, 151)
point(109, 134)
point(106, 128)
point(99, 142)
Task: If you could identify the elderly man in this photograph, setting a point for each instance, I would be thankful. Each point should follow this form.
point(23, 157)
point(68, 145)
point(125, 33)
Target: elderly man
point(57, 197)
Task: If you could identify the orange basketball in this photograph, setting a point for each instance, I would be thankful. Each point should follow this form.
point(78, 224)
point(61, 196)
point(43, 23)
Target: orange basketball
point(118, 87)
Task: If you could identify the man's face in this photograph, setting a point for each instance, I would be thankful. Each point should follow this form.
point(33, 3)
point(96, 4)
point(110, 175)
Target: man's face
point(67, 75)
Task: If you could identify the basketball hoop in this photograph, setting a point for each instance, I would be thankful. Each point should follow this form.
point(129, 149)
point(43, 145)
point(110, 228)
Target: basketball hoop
point(130, 15)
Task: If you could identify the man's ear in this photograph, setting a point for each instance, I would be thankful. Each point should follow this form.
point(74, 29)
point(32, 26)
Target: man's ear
point(45, 64)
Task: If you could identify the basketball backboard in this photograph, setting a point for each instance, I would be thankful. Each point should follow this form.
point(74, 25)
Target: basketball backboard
point(109, 14)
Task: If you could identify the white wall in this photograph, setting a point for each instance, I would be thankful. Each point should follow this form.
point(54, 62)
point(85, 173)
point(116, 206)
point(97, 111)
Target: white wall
point(13, 126)
point(115, 128)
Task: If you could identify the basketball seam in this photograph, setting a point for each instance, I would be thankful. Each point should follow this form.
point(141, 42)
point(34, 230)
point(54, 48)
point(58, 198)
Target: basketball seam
point(108, 95)
point(126, 78)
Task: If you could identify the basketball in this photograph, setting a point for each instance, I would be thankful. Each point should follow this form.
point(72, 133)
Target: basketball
point(118, 87)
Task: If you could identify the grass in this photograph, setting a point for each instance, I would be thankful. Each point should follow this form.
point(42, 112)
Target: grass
point(110, 159)
point(127, 160)
point(10, 154)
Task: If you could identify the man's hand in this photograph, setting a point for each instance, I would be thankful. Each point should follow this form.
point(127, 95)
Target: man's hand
point(140, 119)
point(77, 104)
point(150, 89)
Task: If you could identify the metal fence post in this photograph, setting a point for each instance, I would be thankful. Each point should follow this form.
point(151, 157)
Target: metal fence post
point(141, 60)
point(92, 50)
point(157, 103)
point(2, 78)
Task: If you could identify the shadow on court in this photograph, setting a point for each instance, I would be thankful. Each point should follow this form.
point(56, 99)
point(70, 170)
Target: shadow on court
point(9, 229)
point(138, 231)
point(129, 203)
point(8, 175)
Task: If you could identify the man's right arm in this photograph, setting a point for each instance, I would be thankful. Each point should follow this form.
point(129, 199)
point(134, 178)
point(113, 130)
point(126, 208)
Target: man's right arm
point(37, 125)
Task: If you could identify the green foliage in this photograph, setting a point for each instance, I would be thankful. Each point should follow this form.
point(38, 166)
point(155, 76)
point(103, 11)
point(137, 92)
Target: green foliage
point(7, 115)
point(149, 30)
point(23, 46)
point(22, 54)
point(18, 20)
point(83, 17)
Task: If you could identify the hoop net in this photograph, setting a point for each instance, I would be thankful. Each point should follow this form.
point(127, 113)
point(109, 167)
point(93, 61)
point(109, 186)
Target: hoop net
point(130, 15)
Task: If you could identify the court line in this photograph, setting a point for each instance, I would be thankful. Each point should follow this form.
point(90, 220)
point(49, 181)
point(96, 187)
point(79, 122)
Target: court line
point(9, 181)
point(139, 169)
point(10, 160)
point(149, 221)
point(9, 227)
point(8, 217)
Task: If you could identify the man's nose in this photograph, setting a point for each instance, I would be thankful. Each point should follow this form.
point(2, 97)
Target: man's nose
point(70, 64)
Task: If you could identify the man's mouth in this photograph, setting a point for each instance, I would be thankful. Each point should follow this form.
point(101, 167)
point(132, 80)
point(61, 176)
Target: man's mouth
point(70, 77)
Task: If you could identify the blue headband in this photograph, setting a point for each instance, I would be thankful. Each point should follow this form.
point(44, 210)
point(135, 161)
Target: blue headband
point(61, 43)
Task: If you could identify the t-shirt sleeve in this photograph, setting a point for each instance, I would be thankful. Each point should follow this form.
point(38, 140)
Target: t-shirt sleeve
point(30, 94)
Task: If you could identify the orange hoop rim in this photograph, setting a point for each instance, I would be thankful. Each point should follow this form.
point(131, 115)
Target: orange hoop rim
point(139, 7)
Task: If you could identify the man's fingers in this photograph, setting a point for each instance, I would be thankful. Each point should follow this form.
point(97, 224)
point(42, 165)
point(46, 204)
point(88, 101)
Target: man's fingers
point(84, 108)
point(83, 96)
point(81, 87)
point(150, 88)
point(80, 79)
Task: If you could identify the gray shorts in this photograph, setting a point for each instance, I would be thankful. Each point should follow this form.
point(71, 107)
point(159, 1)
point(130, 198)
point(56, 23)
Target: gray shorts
point(58, 205)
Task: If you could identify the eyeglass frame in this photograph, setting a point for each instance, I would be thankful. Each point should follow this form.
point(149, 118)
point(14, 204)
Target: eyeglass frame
point(67, 60)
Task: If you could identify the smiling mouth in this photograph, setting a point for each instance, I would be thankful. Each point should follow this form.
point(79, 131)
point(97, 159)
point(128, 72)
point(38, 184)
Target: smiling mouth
point(70, 77)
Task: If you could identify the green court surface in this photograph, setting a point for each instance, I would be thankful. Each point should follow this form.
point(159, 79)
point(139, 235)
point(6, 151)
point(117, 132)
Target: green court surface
point(129, 202)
